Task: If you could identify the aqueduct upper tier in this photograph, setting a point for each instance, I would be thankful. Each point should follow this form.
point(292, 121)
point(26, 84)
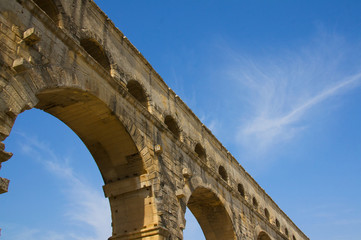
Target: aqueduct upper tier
point(155, 156)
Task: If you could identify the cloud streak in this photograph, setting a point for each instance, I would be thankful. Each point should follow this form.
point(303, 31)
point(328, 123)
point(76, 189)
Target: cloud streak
point(282, 91)
point(265, 127)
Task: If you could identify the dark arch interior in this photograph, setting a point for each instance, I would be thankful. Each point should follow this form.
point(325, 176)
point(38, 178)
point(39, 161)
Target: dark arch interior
point(49, 7)
point(138, 92)
point(96, 51)
point(211, 215)
point(222, 171)
point(266, 213)
point(241, 190)
point(200, 151)
point(278, 224)
point(263, 236)
point(172, 125)
point(255, 202)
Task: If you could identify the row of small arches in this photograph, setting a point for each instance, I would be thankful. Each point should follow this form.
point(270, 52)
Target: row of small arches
point(90, 44)
point(96, 51)
point(266, 212)
point(223, 173)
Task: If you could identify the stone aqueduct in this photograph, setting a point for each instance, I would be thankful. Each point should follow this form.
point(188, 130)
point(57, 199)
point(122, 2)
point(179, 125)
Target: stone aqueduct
point(156, 158)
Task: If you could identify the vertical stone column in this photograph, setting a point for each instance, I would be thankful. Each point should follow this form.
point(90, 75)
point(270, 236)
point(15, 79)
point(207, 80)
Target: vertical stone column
point(4, 156)
point(134, 213)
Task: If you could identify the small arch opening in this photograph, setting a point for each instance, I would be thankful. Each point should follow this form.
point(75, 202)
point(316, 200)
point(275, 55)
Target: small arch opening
point(200, 151)
point(286, 232)
point(222, 171)
point(293, 237)
point(172, 126)
point(96, 51)
point(137, 91)
point(278, 225)
point(255, 202)
point(49, 8)
point(266, 213)
point(241, 189)
point(263, 236)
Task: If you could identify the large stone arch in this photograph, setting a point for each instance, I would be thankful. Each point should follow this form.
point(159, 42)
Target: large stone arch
point(211, 214)
point(101, 131)
point(95, 114)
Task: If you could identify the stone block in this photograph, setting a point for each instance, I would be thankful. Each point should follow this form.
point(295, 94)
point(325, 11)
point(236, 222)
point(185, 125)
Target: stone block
point(31, 36)
point(4, 185)
point(186, 173)
point(20, 65)
point(158, 149)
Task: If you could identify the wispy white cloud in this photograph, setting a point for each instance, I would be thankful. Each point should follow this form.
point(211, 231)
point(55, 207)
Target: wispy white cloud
point(283, 90)
point(86, 206)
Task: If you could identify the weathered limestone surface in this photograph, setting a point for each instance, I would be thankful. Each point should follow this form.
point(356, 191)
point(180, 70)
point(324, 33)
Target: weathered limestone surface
point(156, 157)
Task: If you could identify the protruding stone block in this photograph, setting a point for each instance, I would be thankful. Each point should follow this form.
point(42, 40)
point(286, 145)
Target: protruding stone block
point(10, 112)
point(20, 65)
point(4, 156)
point(179, 193)
point(186, 173)
point(4, 185)
point(115, 74)
point(126, 185)
point(158, 149)
point(31, 37)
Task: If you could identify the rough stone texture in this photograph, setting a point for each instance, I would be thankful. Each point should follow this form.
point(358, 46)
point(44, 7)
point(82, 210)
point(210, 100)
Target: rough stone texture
point(156, 157)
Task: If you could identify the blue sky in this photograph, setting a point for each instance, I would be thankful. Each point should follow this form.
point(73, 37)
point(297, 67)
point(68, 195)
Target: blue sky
point(278, 83)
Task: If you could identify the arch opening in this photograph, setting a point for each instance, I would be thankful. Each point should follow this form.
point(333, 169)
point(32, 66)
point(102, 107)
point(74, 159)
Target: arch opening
point(222, 171)
point(278, 225)
point(241, 189)
point(266, 213)
point(112, 148)
point(137, 91)
point(53, 170)
point(172, 126)
point(255, 202)
point(286, 232)
point(96, 51)
point(200, 151)
point(263, 236)
point(97, 127)
point(211, 215)
point(193, 230)
point(49, 7)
